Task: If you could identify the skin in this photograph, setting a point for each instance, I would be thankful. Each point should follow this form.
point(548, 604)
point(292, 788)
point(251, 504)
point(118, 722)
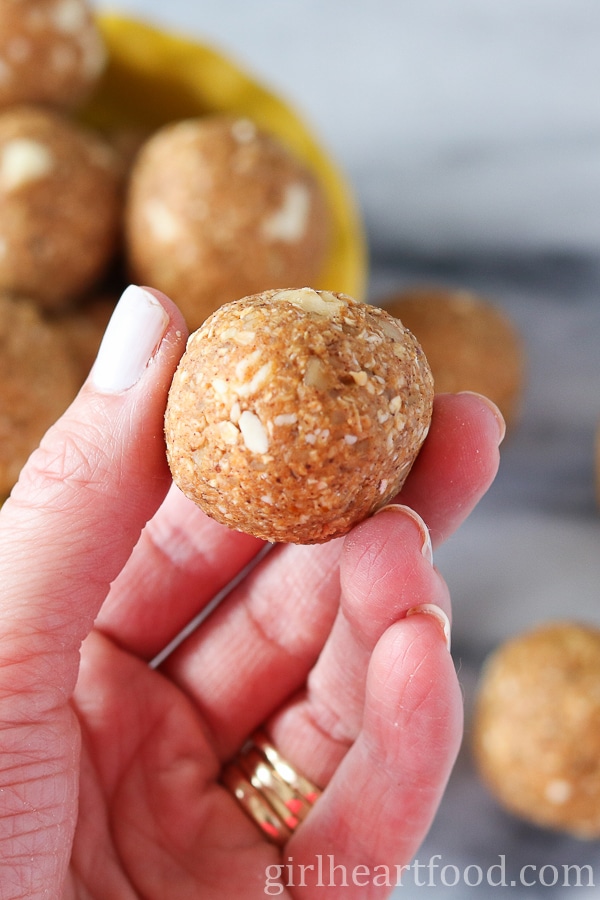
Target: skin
point(109, 769)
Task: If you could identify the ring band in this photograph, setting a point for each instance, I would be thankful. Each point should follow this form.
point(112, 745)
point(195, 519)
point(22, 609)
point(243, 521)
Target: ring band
point(255, 805)
point(269, 789)
point(298, 782)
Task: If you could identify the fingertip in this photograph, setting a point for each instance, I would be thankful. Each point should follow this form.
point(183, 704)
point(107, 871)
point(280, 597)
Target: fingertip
point(486, 406)
point(401, 509)
point(386, 568)
point(412, 674)
point(144, 324)
point(176, 318)
point(395, 773)
point(432, 609)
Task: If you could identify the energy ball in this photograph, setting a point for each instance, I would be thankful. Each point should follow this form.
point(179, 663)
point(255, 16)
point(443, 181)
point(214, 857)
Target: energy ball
point(51, 52)
point(61, 200)
point(218, 209)
point(294, 414)
point(37, 383)
point(470, 343)
point(536, 728)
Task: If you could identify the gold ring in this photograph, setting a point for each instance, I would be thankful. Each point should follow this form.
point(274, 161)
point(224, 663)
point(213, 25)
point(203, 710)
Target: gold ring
point(269, 789)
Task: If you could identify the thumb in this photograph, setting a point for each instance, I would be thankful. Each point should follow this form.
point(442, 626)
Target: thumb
point(85, 494)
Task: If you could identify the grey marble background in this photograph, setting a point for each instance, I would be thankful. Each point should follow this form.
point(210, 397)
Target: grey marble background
point(470, 131)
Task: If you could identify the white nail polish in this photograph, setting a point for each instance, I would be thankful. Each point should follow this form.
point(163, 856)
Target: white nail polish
point(134, 332)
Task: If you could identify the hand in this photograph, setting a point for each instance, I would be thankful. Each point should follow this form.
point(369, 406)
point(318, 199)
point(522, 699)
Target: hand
point(109, 768)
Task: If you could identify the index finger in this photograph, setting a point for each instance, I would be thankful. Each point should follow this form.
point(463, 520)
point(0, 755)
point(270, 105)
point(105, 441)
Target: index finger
point(85, 494)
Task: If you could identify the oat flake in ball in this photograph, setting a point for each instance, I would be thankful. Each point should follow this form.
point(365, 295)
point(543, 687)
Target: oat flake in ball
point(294, 414)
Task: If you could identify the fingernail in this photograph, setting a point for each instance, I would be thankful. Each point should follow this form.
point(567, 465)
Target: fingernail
point(134, 332)
point(431, 609)
point(499, 417)
point(399, 508)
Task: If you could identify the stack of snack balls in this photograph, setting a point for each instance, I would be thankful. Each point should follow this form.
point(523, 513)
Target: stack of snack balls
point(207, 209)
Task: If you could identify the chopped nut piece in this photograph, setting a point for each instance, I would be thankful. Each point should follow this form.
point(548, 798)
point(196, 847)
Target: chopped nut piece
point(253, 432)
point(24, 160)
point(360, 378)
point(322, 303)
point(315, 374)
point(290, 221)
point(285, 419)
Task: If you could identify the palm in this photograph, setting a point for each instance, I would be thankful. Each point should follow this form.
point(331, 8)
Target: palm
point(151, 807)
point(154, 822)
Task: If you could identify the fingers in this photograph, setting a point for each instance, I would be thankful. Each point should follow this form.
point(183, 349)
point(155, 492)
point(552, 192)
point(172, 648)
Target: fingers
point(457, 462)
point(85, 494)
point(256, 650)
point(379, 805)
point(258, 645)
point(182, 560)
point(386, 572)
point(184, 555)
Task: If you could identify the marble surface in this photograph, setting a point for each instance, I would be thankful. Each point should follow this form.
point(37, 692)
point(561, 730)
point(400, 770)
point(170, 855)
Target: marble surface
point(470, 132)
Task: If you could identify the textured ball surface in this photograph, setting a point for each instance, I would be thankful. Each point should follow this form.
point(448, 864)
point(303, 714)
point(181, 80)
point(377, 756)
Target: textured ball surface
point(61, 201)
point(37, 383)
point(217, 209)
point(51, 52)
point(295, 414)
point(536, 729)
point(471, 344)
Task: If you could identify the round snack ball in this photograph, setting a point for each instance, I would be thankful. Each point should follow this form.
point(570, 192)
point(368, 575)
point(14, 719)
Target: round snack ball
point(37, 383)
point(536, 727)
point(51, 52)
point(61, 199)
point(294, 414)
point(217, 209)
point(471, 345)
